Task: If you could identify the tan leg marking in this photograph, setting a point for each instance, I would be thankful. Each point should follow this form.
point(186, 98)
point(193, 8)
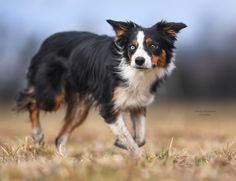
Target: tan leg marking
point(77, 112)
point(59, 101)
point(37, 133)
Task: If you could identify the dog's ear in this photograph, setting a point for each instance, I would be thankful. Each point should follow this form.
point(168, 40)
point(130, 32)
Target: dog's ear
point(170, 28)
point(121, 28)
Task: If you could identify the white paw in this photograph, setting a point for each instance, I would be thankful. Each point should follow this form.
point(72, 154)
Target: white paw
point(37, 135)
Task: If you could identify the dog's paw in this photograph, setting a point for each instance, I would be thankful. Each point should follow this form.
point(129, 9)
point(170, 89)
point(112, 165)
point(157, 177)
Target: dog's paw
point(119, 144)
point(37, 135)
point(62, 150)
point(140, 143)
point(61, 145)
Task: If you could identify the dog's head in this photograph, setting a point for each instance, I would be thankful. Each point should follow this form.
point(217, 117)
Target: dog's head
point(146, 48)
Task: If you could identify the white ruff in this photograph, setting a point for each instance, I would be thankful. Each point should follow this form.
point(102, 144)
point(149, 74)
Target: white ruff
point(137, 93)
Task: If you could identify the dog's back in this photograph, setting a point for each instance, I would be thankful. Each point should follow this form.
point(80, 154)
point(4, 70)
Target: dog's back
point(48, 70)
point(66, 63)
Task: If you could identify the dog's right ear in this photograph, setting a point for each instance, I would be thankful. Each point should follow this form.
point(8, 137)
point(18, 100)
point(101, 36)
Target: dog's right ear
point(121, 28)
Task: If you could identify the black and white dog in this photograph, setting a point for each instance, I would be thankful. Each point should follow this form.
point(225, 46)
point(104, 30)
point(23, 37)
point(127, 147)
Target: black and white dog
point(116, 74)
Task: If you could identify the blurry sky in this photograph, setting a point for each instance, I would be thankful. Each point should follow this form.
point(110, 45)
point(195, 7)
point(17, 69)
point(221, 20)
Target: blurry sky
point(48, 16)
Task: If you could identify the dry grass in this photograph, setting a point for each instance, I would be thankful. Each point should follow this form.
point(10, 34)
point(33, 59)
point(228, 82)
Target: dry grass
point(183, 143)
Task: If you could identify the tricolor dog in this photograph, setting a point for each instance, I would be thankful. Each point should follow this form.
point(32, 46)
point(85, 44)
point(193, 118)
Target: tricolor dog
point(116, 74)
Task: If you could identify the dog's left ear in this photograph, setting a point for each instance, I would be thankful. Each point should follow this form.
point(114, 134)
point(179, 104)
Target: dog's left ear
point(170, 28)
point(121, 28)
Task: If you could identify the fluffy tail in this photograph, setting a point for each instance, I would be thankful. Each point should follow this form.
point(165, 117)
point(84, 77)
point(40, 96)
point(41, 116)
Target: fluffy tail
point(24, 100)
point(47, 83)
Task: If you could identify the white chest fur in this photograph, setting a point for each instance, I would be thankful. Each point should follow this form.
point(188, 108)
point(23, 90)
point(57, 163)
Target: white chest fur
point(137, 93)
point(129, 97)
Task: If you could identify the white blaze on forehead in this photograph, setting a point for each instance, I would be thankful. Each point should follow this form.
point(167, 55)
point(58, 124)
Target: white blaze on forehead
point(140, 39)
point(140, 52)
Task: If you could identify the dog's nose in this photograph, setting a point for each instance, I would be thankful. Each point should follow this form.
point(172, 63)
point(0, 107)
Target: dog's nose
point(139, 61)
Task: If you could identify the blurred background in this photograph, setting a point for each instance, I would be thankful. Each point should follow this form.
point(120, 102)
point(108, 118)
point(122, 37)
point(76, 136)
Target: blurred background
point(195, 108)
point(206, 50)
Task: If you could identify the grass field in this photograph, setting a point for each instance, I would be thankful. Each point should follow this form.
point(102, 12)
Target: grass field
point(185, 142)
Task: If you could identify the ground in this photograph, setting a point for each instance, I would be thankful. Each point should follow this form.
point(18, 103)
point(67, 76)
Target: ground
point(184, 142)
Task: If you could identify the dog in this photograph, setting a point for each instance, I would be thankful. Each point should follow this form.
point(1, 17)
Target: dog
point(115, 74)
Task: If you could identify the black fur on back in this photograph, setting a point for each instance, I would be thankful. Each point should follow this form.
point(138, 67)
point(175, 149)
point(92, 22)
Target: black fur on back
point(81, 61)
point(93, 68)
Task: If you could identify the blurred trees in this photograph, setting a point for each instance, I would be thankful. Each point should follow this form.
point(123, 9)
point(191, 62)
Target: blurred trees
point(15, 56)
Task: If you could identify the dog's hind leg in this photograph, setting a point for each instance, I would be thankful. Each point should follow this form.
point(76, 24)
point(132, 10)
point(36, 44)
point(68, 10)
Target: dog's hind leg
point(37, 133)
point(77, 112)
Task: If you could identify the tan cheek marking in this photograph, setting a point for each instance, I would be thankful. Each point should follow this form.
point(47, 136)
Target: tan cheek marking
point(159, 61)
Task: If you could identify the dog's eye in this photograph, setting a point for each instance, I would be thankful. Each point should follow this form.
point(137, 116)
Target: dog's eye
point(154, 46)
point(132, 47)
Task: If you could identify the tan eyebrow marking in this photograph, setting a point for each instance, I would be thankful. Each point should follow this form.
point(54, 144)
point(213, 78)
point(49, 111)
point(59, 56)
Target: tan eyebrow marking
point(149, 41)
point(135, 43)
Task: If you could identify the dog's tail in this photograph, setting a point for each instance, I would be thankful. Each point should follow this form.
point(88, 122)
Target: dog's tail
point(24, 99)
point(46, 84)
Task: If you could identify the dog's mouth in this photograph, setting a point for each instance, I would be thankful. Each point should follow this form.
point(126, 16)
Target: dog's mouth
point(141, 68)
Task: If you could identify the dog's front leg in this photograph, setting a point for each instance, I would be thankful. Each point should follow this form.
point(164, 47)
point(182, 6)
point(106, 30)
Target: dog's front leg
point(138, 117)
point(122, 134)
